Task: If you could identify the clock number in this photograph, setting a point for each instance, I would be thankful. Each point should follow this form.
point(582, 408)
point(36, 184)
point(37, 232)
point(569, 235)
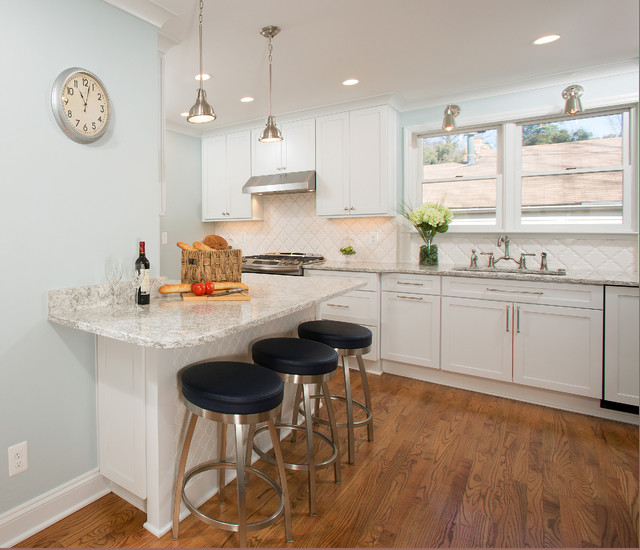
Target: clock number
point(69, 114)
point(100, 119)
point(69, 90)
point(93, 125)
point(75, 82)
point(85, 128)
point(99, 96)
point(77, 122)
point(102, 108)
point(85, 82)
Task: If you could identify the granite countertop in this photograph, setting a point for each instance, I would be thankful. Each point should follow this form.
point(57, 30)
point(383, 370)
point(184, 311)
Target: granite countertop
point(169, 323)
point(599, 277)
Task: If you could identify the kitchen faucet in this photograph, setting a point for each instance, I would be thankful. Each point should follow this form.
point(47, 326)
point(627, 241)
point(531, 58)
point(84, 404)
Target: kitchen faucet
point(506, 240)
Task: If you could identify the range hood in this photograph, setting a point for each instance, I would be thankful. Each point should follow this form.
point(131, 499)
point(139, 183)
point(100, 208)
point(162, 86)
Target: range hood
point(290, 182)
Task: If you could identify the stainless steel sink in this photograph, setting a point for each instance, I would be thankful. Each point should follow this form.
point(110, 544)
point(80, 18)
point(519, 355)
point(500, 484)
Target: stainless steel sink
point(556, 272)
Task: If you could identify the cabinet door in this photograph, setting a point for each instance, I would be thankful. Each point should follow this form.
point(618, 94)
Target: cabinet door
point(332, 165)
point(214, 179)
point(299, 146)
point(368, 161)
point(410, 328)
point(266, 158)
point(476, 337)
point(558, 348)
point(621, 357)
point(238, 172)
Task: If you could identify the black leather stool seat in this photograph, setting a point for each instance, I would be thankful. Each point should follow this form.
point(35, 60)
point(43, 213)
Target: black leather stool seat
point(295, 356)
point(232, 387)
point(336, 334)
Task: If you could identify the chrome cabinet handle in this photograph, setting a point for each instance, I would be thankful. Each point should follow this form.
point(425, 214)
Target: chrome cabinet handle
point(346, 208)
point(508, 310)
point(518, 319)
point(410, 284)
point(513, 291)
point(338, 305)
point(416, 298)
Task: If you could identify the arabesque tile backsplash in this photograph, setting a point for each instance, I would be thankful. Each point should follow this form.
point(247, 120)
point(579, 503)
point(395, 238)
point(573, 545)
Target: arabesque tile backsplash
point(290, 225)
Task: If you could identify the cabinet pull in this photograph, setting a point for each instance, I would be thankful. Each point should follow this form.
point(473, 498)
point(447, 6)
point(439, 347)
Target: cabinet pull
point(401, 297)
point(518, 319)
point(409, 284)
point(508, 309)
point(513, 291)
point(338, 305)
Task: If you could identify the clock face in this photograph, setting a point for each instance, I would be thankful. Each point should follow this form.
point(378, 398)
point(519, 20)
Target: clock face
point(80, 105)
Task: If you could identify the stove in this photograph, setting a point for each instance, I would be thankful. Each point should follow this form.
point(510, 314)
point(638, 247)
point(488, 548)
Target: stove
point(280, 263)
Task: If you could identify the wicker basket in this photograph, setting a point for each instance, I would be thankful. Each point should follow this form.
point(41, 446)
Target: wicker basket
point(216, 265)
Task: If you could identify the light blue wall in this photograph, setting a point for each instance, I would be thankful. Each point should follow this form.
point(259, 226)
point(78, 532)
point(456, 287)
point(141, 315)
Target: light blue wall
point(63, 208)
point(181, 222)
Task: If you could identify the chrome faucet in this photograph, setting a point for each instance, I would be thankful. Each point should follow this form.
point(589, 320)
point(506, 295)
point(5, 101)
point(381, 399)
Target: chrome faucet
point(474, 258)
point(506, 240)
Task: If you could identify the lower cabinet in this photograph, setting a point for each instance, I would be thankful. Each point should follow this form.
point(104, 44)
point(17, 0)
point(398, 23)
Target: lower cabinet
point(515, 333)
point(621, 357)
point(410, 319)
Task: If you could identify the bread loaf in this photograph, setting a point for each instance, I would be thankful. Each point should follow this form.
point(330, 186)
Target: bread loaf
point(201, 246)
point(224, 285)
point(216, 242)
point(185, 246)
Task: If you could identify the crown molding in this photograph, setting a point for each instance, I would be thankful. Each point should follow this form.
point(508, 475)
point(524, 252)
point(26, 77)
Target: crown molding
point(147, 10)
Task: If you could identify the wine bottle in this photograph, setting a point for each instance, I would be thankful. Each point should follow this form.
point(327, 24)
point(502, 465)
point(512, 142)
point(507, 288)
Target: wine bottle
point(143, 294)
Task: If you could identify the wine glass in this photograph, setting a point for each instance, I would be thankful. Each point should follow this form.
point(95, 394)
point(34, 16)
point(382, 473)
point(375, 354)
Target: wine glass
point(134, 277)
point(113, 270)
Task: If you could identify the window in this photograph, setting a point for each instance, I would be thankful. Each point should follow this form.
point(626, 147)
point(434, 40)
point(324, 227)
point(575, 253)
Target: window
point(461, 170)
point(549, 175)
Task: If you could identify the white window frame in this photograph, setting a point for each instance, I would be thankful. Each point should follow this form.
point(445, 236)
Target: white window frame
point(508, 195)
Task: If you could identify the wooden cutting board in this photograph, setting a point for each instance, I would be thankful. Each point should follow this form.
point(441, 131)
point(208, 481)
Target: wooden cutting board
point(238, 297)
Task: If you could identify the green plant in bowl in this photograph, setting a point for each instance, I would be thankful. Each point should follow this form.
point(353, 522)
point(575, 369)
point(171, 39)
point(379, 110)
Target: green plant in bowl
point(348, 251)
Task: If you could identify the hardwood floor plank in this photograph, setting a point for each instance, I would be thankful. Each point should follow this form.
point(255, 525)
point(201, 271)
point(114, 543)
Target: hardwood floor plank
point(447, 468)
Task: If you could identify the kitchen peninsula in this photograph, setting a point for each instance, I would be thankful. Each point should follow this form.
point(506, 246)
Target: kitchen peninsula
point(139, 353)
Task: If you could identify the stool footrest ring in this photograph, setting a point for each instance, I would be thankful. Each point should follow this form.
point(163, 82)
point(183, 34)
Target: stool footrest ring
point(293, 465)
point(228, 526)
point(356, 423)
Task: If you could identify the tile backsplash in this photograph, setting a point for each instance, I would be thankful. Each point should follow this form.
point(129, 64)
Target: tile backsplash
point(290, 225)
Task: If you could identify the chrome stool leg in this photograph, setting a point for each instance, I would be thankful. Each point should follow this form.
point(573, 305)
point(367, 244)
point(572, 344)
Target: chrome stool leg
point(242, 502)
point(311, 457)
point(350, 431)
point(367, 394)
point(334, 431)
point(183, 463)
point(222, 446)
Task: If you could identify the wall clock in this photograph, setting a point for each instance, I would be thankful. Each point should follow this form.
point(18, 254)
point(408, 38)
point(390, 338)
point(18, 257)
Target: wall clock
point(80, 105)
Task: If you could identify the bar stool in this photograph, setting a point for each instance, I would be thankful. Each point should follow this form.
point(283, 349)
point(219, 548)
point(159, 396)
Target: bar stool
point(349, 340)
point(235, 393)
point(305, 363)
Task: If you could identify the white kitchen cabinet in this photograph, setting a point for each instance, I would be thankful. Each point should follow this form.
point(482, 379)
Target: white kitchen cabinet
point(621, 356)
point(410, 319)
point(226, 167)
point(360, 306)
point(514, 331)
point(295, 153)
point(356, 163)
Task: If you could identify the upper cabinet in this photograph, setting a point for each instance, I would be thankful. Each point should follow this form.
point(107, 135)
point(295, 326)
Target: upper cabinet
point(295, 153)
point(226, 167)
point(356, 163)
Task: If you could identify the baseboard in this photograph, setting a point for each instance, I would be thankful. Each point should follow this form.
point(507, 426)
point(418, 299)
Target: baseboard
point(41, 512)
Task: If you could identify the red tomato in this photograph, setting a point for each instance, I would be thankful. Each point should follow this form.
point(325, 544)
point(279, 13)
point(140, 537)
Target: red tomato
point(209, 287)
point(197, 289)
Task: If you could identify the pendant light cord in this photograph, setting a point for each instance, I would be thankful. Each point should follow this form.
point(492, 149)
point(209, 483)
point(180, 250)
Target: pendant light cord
point(200, 42)
point(270, 79)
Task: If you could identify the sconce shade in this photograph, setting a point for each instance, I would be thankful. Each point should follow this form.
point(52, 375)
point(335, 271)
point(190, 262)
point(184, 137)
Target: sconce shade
point(571, 95)
point(450, 114)
point(201, 111)
point(271, 132)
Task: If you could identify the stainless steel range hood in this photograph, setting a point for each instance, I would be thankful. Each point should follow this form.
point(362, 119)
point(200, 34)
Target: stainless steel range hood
point(291, 182)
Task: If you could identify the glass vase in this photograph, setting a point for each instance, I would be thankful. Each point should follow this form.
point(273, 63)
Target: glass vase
point(429, 255)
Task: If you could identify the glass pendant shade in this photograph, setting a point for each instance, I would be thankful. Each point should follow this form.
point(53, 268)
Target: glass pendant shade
point(450, 114)
point(201, 111)
point(572, 95)
point(271, 132)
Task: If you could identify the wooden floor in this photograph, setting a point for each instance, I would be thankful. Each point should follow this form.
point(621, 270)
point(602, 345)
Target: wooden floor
point(448, 468)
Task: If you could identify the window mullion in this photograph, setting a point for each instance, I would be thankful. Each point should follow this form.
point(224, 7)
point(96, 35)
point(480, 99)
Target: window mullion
point(512, 177)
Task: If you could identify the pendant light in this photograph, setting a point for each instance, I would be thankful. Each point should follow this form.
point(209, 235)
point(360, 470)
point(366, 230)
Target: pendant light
point(449, 120)
point(271, 132)
point(201, 111)
point(572, 103)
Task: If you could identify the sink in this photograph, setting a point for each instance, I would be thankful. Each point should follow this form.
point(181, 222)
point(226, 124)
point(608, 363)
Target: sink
point(514, 270)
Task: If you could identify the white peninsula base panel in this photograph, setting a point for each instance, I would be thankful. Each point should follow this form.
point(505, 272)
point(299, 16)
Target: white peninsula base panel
point(141, 416)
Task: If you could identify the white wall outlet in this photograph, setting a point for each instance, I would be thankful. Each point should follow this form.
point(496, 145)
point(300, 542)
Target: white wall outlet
point(163, 237)
point(17, 458)
point(373, 238)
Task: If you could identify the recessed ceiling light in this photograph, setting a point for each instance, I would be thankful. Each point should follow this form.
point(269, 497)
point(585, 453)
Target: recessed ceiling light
point(246, 99)
point(350, 82)
point(546, 39)
point(184, 114)
point(205, 76)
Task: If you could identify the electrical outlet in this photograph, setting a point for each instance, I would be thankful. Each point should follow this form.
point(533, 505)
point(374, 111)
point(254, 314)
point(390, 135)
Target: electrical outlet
point(373, 238)
point(163, 236)
point(17, 458)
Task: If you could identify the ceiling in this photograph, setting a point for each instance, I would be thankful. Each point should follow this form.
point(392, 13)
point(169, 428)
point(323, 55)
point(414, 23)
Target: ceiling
point(423, 52)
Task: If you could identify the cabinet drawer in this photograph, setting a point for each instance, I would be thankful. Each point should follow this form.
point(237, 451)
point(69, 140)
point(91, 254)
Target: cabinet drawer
point(371, 279)
point(356, 307)
point(558, 294)
point(416, 284)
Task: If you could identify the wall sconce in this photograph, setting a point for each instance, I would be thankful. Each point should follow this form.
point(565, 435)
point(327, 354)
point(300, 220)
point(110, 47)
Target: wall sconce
point(450, 114)
point(571, 95)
